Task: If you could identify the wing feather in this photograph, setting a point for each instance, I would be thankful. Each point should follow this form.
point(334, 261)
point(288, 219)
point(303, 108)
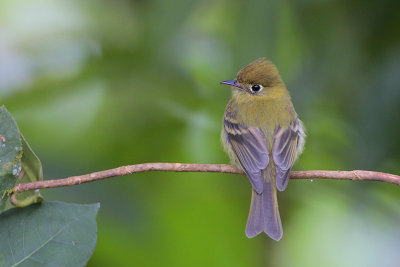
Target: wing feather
point(285, 150)
point(249, 145)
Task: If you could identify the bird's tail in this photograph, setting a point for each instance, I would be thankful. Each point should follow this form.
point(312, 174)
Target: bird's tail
point(264, 213)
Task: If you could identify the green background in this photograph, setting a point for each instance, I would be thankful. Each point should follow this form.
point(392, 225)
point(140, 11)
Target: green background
point(98, 84)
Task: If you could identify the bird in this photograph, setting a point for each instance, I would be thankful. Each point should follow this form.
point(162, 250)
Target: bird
point(262, 136)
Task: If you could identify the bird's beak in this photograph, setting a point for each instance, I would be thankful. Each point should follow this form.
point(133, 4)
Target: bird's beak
point(232, 83)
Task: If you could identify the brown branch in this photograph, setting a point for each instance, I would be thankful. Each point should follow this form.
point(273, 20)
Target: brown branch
point(183, 167)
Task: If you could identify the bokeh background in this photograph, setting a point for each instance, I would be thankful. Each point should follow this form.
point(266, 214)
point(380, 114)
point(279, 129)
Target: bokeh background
point(98, 84)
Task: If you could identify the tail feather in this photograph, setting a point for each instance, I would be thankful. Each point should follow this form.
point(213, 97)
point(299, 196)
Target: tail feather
point(264, 213)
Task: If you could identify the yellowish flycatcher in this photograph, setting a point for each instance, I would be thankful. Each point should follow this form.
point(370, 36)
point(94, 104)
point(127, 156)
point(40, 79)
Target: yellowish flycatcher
point(263, 136)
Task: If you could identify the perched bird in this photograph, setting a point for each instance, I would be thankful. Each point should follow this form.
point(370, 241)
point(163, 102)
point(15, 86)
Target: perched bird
point(263, 136)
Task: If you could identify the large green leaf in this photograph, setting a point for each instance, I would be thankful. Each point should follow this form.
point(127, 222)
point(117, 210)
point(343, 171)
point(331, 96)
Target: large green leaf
point(48, 234)
point(10, 150)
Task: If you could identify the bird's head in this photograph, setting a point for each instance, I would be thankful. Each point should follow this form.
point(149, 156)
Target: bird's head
point(257, 78)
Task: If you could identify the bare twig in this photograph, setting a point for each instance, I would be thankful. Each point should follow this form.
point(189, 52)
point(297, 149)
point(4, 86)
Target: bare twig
point(183, 167)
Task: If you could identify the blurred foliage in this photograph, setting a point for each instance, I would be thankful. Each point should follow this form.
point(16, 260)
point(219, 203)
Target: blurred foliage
point(98, 84)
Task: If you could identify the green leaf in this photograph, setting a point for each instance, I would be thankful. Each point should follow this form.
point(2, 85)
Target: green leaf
point(30, 163)
point(31, 172)
point(48, 234)
point(18, 163)
point(10, 155)
point(10, 150)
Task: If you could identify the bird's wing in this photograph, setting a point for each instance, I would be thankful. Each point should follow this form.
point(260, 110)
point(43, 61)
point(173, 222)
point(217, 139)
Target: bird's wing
point(284, 151)
point(249, 145)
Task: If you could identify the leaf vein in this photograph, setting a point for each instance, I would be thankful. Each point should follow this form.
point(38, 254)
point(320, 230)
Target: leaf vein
point(8, 240)
point(23, 238)
point(41, 246)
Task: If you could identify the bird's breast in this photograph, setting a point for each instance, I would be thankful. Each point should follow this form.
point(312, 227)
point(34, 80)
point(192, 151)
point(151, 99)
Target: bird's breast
point(266, 114)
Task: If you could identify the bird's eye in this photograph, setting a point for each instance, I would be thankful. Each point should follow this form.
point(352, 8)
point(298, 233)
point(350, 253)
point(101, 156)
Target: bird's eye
point(256, 88)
